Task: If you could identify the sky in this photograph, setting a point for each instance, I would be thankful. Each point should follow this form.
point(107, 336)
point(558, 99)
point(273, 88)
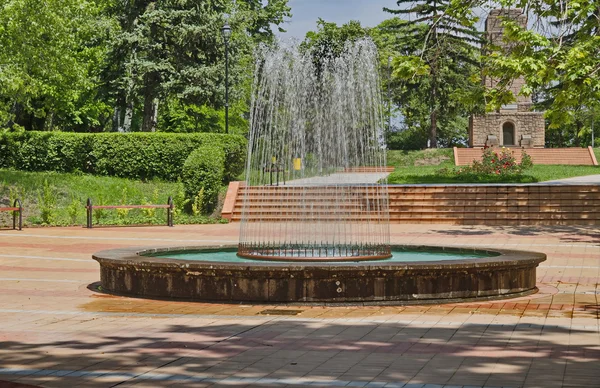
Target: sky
point(306, 12)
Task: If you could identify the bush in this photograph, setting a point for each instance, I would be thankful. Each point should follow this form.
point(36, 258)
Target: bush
point(203, 173)
point(412, 139)
point(44, 151)
point(493, 163)
point(142, 156)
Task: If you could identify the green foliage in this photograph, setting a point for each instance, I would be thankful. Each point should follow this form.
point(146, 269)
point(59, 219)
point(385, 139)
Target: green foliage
point(526, 161)
point(411, 139)
point(427, 157)
point(202, 174)
point(71, 191)
point(437, 166)
point(173, 50)
point(47, 204)
point(86, 65)
point(559, 64)
point(329, 40)
point(99, 214)
point(122, 213)
point(179, 201)
point(74, 209)
point(435, 73)
point(14, 193)
point(134, 155)
point(197, 205)
point(51, 53)
point(150, 213)
point(175, 116)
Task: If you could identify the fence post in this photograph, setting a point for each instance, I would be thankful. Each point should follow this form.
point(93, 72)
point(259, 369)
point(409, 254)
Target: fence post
point(18, 202)
point(89, 213)
point(170, 212)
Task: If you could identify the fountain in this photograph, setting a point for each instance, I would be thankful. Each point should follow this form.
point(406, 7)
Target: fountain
point(317, 140)
point(316, 150)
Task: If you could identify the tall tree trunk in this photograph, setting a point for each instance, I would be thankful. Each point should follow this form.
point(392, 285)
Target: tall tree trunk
point(578, 125)
point(128, 117)
point(433, 117)
point(116, 119)
point(155, 116)
point(14, 115)
point(49, 122)
point(150, 113)
point(433, 92)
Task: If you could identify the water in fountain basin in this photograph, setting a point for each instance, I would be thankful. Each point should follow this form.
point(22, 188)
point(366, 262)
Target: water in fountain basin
point(398, 256)
point(316, 154)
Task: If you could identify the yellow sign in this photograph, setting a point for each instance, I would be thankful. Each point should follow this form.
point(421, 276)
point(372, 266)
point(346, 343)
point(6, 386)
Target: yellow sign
point(274, 159)
point(298, 164)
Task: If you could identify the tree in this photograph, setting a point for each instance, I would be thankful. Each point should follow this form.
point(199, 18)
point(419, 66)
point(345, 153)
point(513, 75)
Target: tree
point(439, 57)
point(50, 53)
point(173, 50)
point(330, 39)
point(559, 59)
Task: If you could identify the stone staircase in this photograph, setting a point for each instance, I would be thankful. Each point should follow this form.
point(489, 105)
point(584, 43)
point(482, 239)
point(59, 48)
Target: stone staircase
point(283, 203)
point(571, 156)
point(535, 204)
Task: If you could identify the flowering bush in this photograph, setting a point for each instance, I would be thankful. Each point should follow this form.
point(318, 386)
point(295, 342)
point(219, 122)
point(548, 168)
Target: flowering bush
point(493, 164)
point(498, 163)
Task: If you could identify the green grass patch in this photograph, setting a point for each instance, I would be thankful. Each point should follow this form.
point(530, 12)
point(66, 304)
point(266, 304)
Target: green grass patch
point(429, 157)
point(423, 166)
point(538, 173)
point(58, 199)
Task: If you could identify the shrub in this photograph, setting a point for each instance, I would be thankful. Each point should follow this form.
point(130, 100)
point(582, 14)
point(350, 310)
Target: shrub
point(198, 203)
point(412, 139)
point(47, 204)
point(203, 172)
point(142, 156)
point(502, 163)
point(44, 151)
point(73, 210)
point(493, 163)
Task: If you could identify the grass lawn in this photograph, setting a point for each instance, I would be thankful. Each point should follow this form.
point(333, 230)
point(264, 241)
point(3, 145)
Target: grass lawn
point(51, 198)
point(414, 167)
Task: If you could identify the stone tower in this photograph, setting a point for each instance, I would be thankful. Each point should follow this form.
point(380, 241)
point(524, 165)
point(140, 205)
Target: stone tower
point(514, 125)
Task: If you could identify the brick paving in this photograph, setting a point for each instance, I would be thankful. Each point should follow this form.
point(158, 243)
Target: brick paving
point(57, 330)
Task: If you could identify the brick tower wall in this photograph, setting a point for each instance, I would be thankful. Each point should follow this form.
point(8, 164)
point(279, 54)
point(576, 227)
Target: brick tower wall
point(520, 115)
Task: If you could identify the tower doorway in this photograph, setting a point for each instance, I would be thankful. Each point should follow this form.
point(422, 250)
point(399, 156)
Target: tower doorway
point(508, 134)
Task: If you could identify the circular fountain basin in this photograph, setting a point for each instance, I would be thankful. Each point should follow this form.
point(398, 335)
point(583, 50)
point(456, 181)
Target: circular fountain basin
point(414, 274)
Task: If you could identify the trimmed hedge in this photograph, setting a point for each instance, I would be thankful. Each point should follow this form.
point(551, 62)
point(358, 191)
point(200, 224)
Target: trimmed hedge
point(203, 169)
point(126, 155)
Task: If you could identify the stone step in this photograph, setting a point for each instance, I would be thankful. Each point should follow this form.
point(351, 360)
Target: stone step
point(446, 204)
point(551, 156)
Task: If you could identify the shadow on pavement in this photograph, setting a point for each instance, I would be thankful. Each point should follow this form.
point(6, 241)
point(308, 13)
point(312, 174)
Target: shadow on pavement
point(296, 352)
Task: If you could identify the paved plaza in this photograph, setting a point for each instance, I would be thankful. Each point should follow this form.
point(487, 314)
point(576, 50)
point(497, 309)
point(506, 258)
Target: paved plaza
point(58, 330)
